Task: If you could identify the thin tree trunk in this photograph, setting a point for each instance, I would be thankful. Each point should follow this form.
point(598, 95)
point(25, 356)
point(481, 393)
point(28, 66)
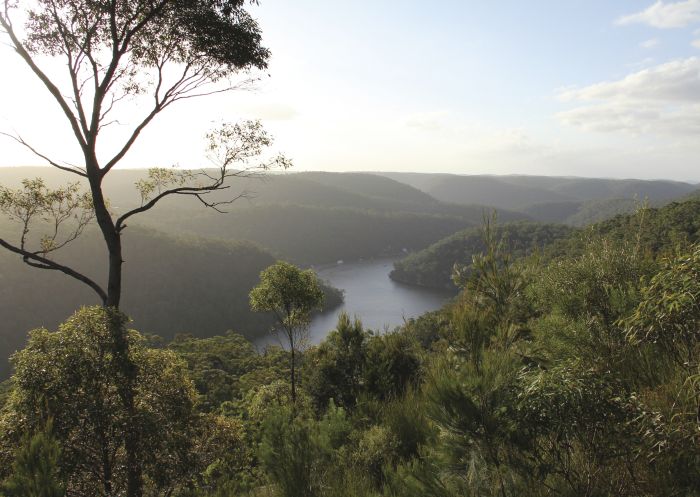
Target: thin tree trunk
point(125, 366)
point(126, 385)
point(112, 239)
point(294, 388)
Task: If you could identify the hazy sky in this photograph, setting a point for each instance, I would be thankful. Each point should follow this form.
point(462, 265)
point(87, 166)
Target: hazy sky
point(560, 87)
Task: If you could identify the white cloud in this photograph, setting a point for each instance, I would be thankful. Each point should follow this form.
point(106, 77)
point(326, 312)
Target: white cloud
point(661, 99)
point(651, 43)
point(696, 43)
point(634, 118)
point(675, 81)
point(666, 15)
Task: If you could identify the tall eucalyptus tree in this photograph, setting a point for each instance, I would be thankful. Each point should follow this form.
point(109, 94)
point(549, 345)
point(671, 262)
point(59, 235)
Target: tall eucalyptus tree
point(161, 52)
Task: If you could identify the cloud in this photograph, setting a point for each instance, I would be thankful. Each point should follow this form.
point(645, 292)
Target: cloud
point(666, 15)
point(675, 81)
point(661, 99)
point(696, 43)
point(651, 43)
point(634, 118)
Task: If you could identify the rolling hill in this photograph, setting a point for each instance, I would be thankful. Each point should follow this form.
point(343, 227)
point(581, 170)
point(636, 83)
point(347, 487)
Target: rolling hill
point(432, 267)
point(659, 230)
point(307, 218)
point(573, 201)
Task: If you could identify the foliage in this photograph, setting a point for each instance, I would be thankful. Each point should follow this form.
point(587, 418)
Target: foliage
point(473, 406)
point(290, 294)
point(669, 311)
point(393, 365)
point(493, 280)
point(406, 419)
point(433, 266)
point(336, 365)
point(666, 321)
point(5, 390)
point(72, 377)
point(216, 365)
point(35, 471)
point(586, 296)
point(62, 214)
point(580, 427)
point(263, 400)
point(297, 453)
point(287, 292)
point(375, 451)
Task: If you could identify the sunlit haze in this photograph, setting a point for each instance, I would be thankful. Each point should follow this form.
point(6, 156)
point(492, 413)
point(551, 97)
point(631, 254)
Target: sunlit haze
point(583, 87)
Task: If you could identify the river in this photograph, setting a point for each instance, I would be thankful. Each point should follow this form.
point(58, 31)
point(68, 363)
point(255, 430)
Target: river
point(380, 303)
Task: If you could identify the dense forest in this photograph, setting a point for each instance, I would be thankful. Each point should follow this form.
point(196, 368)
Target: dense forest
point(166, 278)
point(525, 384)
point(662, 228)
point(433, 266)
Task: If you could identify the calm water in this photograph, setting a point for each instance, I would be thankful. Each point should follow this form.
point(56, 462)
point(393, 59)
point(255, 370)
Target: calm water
point(379, 302)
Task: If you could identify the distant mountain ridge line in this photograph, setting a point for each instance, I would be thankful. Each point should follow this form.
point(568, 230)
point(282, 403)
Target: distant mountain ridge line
point(570, 200)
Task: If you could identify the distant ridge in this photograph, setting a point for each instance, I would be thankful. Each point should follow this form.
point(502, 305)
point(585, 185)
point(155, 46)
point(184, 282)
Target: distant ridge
point(570, 200)
point(306, 217)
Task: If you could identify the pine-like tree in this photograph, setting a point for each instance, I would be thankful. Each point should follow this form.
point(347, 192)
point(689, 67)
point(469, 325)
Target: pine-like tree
point(35, 472)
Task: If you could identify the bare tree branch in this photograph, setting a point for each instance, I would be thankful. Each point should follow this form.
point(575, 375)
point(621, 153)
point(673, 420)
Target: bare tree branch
point(132, 139)
point(118, 51)
point(40, 262)
point(20, 140)
point(185, 190)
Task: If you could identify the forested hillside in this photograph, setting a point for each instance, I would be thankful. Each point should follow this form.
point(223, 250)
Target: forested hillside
point(574, 373)
point(309, 218)
point(316, 235)
point(433, 266)
point(173, 285)
point(653, 230)
point(658, 229)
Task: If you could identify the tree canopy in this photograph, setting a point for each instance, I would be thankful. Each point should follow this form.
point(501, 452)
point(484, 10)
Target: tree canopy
point(291, 295)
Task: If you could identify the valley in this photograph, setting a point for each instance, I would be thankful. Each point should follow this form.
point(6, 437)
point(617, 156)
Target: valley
point(313, 219)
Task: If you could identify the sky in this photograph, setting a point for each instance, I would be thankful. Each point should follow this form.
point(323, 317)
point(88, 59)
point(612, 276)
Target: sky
point(595, 88)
